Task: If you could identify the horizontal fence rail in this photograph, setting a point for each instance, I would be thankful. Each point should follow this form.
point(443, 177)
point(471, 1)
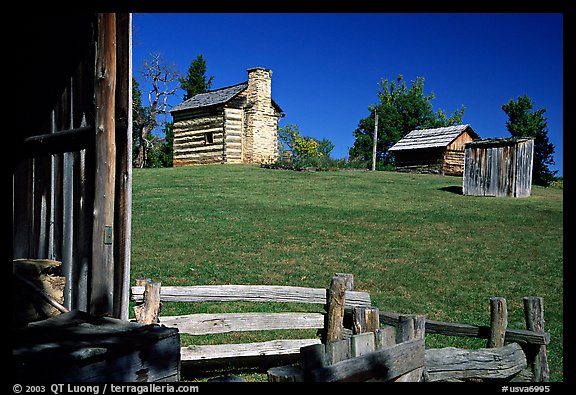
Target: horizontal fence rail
point(204, 324)
point(250, 293)
point(477, 331)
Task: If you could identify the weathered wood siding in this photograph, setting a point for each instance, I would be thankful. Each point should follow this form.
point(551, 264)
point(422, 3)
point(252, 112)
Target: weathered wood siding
point(498, 167)
point(56, 168)
point(192, 143)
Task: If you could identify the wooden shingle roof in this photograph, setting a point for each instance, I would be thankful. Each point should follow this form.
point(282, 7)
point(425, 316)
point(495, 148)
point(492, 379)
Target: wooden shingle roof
point(432, 138)
point(211, 98)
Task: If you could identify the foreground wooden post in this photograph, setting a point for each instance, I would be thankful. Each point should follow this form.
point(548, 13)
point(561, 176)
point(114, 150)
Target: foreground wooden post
point(411, 327)
point(149, 311)
point(534, 316)
point(365, 319)
point(498, 322)
point(102, 286)
point(335, 317)
point(286, 373)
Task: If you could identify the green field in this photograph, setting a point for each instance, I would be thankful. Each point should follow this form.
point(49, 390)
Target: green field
point(413, 241)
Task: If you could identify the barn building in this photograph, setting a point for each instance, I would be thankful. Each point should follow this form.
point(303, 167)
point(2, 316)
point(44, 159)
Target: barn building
point(236, 124)
point(439, 151)
point(498, 167)
point(71, 208)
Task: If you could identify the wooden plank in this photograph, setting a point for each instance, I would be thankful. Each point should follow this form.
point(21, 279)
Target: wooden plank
point(337, 351)
point(456, 363)
point(102, 284)
point(385, 337)
point(250, 293)
point(78, 347)
point(233, 352)
point(362, 343)
point(203, 324)
point(498, 322)
point(124, 136)
point(384, 365)
point(534, 316)
point(467, 330)
point(58, 142)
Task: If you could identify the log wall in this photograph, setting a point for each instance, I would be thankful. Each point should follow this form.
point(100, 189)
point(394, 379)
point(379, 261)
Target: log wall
point(192, 143)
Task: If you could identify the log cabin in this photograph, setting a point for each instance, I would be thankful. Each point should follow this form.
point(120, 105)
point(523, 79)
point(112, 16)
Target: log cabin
point(438, 151)
point(236, 124)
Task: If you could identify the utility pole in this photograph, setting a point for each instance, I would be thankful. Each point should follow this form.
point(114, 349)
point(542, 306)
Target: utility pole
point(375, 141)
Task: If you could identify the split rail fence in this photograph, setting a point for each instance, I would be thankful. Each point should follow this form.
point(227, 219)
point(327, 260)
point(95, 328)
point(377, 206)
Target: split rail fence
point(355, 342)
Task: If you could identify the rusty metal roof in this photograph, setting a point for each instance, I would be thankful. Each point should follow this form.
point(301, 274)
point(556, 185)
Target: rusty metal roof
point(432, 138)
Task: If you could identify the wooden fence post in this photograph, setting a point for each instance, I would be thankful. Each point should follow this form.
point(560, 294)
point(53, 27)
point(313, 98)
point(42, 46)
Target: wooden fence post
point(534, 316)
point(411, 327)
point(149, 311)
point(498, 322)
point(335, 305)
point(365, 319)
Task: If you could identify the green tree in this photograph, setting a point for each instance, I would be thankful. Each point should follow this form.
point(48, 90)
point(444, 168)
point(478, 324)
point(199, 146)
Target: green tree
point(400, 109)
point(325, 147)
point(161, 152)
point(523, 121)
point(195, 80)
point(303, 150)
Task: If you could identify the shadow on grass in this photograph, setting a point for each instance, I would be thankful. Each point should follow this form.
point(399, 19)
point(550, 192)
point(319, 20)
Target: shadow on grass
point(452, 188)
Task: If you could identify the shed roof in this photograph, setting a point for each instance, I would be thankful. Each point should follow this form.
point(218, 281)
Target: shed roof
point(211, 98)
point(497, 141)
point(432, 138)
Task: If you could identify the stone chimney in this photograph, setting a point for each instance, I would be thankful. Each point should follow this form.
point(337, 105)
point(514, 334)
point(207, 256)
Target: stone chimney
point(261, 122)
point(259, 87)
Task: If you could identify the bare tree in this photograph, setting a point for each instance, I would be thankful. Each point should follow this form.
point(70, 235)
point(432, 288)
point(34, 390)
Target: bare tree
point(164, 83)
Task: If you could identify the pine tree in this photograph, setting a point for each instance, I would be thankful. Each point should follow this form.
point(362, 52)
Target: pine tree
point(195, 81)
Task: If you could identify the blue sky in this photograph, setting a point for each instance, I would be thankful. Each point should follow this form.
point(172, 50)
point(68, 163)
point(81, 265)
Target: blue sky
point(326, 66)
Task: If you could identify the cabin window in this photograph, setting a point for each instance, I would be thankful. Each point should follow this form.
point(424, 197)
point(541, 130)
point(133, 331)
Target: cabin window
point(208, 138)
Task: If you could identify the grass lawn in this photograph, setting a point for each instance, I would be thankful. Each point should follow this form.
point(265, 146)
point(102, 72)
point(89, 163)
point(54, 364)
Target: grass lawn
point(413, 241)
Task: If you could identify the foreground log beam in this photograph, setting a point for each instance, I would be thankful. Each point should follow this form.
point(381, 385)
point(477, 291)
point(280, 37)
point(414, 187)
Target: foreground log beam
point(456, 363)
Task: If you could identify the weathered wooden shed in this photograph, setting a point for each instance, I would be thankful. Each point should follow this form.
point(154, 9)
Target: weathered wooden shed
point(498, 167)
point(236, 124)
point(71, 203)
point(438, 151)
